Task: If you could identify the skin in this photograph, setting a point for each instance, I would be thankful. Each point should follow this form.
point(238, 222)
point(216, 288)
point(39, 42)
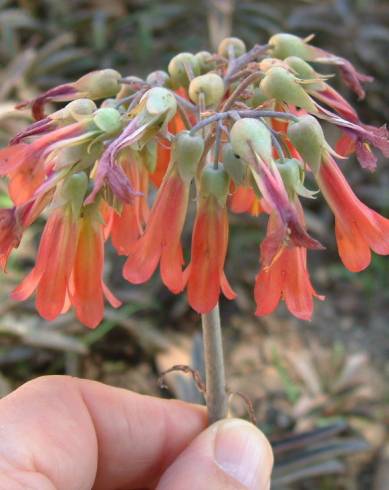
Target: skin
point(59, 432)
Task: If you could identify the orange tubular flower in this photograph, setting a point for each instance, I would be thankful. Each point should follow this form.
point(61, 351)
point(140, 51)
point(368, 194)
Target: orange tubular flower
point(162, 238)
point(286, 277)
point(357, 227)
point(205, 273)
point(87, 288)
point(69, 263)
point(244, 200)
point(25, 164)
point(128, 226)
point(51, 273)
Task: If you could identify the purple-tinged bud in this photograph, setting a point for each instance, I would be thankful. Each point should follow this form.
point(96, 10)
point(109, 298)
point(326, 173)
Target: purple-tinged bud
point(182, 67)
point(281, 85)
point(186, 152)
point(211, 85)
point(251, 135)
point(206, 61)
point(292, 176)
point(158, 78)
point(308, 138)
point(99, 84)
point(215, 182)
point(234, 166)
point(132, 85)
point(108, 120)
point(231, 47)
point(284, 45)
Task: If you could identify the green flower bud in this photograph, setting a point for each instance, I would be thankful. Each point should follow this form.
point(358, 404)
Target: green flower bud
point(231, 46)
point(100, 84)
point(70, 155)
point(158, 78)
point(308, 138)
point(305, 71)
point(233, 165)
point(80, 109)
point(187, 151)
point(284, 45)
point(282, 85)
point(180, 65)
point(292, 177)
point(148, 155)
point(215, 182)
point(258, 98)
point(74, 190)
point(160, 101)
point(251, 135)
point(108, 120)
point(206, 61)
point(211, 85)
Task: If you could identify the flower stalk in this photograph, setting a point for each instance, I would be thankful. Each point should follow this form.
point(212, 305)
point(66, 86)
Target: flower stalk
point(216, 395)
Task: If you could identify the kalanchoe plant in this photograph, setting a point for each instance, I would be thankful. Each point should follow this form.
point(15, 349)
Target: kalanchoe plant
point(241, 128)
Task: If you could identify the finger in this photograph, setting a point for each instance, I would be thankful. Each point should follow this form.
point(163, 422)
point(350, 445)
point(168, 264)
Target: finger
point(230, 455)
point(65, 433)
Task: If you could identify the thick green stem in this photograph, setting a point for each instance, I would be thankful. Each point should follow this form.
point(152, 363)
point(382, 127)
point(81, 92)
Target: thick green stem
point(215, 381)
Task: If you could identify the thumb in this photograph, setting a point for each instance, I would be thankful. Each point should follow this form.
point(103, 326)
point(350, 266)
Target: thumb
point(230, 455)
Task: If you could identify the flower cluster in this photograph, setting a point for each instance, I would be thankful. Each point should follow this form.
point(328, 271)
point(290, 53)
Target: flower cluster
point(236, 130)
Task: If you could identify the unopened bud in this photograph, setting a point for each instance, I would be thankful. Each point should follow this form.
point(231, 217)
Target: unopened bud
point(74, 190)
point(99, 84)
point(108, 120)
point(80, 109)
point(132, 85)
point(258, 98)
point(206, 61)
point(211, 85)
point(215, 182)
point(304, 70)
point(231, 47)
point(284, 45)
point(282, 85)
point(187, 151)
point(181, 67)
point(292, 176)
point(249, 136)
point(158, 78)
point(160, 101)
point(233, 165)
point(308, 138)
point(148, 155)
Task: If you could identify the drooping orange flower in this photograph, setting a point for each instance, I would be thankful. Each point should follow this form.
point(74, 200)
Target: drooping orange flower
point(205, 273)
point(161, 241)
point(87, 288)
point(244, 200)
point(164, 151)
point(128, 224)
point(51, 273)
point(285, 278)
point(68, 269)
point(358, 228)
point(25, 165)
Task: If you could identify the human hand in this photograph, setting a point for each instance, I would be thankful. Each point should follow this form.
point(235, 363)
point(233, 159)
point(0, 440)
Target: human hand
point(62, 433)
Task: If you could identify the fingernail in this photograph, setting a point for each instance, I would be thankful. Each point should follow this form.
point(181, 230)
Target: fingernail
point(244, 453)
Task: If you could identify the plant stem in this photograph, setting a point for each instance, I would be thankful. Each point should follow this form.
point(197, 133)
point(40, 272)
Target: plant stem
point(216, 396)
